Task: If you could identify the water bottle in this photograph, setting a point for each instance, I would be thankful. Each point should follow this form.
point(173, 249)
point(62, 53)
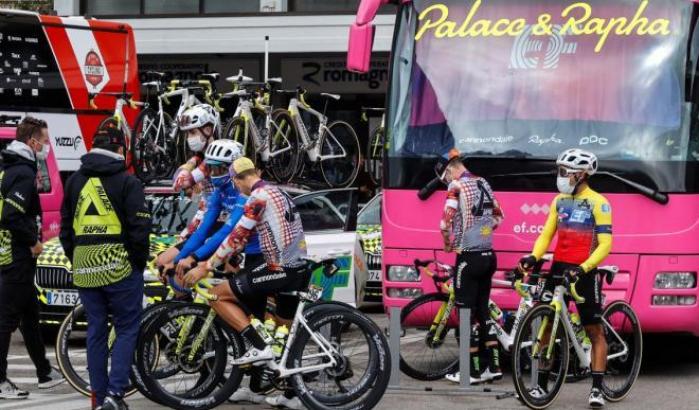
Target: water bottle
point(280, 340)
point(270, 326)
point(260, 329)
point(495, 311)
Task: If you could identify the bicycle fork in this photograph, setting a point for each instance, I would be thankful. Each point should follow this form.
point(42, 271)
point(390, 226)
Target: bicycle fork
point(441, 320)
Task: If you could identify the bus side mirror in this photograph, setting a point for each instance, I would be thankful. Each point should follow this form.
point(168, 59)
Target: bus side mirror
point(361, 42)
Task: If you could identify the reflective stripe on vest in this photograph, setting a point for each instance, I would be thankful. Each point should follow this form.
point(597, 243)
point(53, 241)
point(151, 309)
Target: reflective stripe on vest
point(5, 235)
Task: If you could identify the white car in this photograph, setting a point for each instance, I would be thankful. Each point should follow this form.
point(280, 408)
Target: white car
point(330, 221)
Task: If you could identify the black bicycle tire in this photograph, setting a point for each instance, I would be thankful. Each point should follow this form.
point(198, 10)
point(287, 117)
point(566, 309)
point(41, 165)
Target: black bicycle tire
point(638, 354)
point(378, 132)
point(195, 402)
point(380, 372)
point(275, 166)
point(250, 146)
point(355, 141)
point(565, 351)
point(405, 367)
point(134, 144)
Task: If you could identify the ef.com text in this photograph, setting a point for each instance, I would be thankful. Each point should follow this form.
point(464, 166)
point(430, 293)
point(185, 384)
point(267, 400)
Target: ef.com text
point(525, 228)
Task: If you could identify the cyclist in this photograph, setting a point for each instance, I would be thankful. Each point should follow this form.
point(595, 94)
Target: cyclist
point(272, 214)
point(583, 220)
point(471, 213)
point(200, 122)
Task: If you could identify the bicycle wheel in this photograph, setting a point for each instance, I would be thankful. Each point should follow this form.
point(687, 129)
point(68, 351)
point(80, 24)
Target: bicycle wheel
point(374, 155)
point(340, 155)
point(361, 375)
point(71, 352)
point(237, 130)
point(421, 356)
point(204, 379)
point(532, 370)
point(624, 350)
point(283, 146)
point(153, 154)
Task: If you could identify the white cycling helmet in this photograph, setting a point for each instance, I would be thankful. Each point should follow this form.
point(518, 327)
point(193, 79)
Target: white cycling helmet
point(223, 152)
point(578, 159)
point(198, 116)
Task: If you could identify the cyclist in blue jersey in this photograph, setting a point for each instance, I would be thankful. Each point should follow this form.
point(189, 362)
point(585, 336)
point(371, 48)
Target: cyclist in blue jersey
point(224, 209)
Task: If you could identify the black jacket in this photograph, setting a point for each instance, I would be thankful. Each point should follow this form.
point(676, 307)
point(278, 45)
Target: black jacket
point(124, 191)
point(21, 204)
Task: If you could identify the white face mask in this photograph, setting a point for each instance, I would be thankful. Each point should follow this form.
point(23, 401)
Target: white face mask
point(196, 143)
point(44, 153)
point(563, 185)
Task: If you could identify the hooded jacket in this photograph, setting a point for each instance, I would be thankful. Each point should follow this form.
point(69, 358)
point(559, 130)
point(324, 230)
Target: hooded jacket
point(19, 230)
point(99, 251)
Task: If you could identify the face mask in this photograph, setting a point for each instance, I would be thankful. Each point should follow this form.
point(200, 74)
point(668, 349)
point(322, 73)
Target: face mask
point(44, 153)
point(220, 181)
point(563, 185)
point(196, 143)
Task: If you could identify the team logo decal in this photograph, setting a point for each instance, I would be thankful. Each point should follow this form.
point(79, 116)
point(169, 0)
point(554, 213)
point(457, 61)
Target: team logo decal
point(94, 68)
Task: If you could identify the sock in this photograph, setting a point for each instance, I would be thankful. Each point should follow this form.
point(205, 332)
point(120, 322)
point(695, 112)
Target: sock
point(475, 365)
point(543, 379)
point(253, 337)
point(597, 380)
point(494, 353)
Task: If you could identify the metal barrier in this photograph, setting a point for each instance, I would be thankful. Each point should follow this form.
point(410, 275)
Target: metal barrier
point(465, 387)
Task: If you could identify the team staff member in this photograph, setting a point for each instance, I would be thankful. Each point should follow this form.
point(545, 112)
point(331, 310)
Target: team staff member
point(471, 213)
point(583, 220)
point(105, 227)
point(19, 247)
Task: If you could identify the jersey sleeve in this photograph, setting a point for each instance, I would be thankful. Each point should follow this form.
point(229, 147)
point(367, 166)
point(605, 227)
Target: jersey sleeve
point(544, 240)
point(235, 243)
point(451, 207)
point(199, 236)
point(602, 213)
point(209, 247)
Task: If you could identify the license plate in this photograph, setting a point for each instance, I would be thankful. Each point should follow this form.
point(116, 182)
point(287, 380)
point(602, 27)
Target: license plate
point(63, 297)
point(374, 276)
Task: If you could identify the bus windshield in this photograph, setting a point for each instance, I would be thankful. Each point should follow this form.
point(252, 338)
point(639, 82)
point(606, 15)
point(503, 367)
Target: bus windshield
point(523, 81)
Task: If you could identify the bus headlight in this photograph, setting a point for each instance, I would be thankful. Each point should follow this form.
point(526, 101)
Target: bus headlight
point(403, 274)
point(404, 293)
point(668, 300)
point(675, 280)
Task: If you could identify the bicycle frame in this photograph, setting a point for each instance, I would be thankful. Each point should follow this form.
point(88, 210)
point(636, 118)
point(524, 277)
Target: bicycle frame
point(262, 146)
point(308, 144)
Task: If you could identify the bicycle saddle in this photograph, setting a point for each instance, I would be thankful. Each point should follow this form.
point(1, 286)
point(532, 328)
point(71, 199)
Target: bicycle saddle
point(373, 109)
point(274, 80)
point(156, 74)
point(151, 84)
point(609, 272)
point(213, 77)
point(335, 97)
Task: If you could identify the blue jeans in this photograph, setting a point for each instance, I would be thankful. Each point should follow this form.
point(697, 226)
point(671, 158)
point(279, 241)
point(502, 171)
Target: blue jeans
point(123, 301)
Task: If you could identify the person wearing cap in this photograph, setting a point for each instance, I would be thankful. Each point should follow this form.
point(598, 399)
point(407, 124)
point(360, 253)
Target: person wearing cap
point(20, 245)
point(105, 228)
point(471, 213)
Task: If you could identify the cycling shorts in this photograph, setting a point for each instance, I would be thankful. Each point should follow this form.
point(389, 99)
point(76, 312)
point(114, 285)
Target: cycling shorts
point(588, 286)
point(253, 284)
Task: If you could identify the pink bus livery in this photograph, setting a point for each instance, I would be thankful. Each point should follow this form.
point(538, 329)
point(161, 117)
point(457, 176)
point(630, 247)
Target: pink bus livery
point(511, 84)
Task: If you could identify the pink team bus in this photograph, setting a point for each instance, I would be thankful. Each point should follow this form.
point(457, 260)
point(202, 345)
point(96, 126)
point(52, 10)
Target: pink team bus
point(513, 83)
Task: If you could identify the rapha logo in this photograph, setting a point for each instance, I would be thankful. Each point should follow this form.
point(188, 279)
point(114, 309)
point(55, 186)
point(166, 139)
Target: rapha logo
point(535, 139)
point(94, 69)
point(535, 209)
point(531, 51)
point(68, 142)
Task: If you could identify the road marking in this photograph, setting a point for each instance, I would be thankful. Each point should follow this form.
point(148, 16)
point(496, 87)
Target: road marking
point(21, 367)
point(57, 400)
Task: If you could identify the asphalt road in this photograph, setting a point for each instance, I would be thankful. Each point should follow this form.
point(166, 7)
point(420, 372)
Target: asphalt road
point(669, 380)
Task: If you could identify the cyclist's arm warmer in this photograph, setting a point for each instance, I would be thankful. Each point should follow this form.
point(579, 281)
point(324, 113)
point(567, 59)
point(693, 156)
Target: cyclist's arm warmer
point(254, 210)
point(450, 208)
point(209, 247)
point(603, 229)
point(544, 240)
point(199, 236)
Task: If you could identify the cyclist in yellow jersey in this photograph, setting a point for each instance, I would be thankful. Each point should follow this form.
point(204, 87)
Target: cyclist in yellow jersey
point(583, 220)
